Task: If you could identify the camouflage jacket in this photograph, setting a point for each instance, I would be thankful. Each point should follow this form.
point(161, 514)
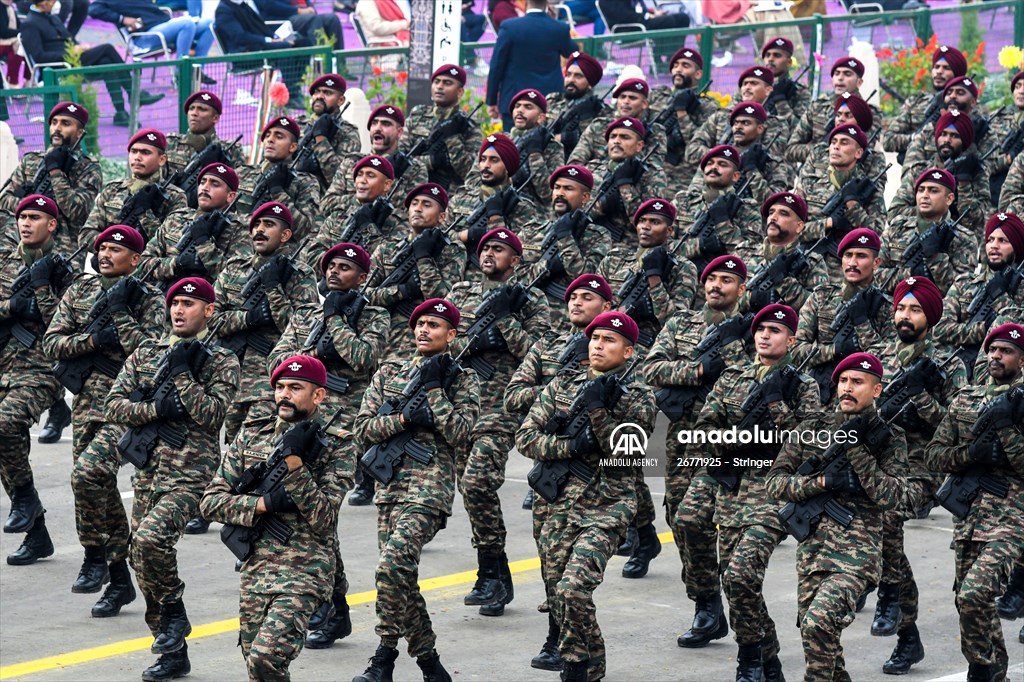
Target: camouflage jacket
point(921, 151)
point(593, 147)
point(107, 209)
point(818, 182)
point(455, 412)
point(680, 173)
point(653, 183)
point(66, 338)
point(955, 329)
point(539, 166)
point(942, 268)
point(32, 366)
point(317, 489)
point(526, 221)
point(811, 128)
point(542, 363)
point(717, 127)
point(1003, 124)
point(463, 150)
point(329, 153)
point(331, 230)
point(206, 400)
point(901, 128)
point(181, 147)
point(792, 290)
point(830, 548)
point(302, 197)
point(1011, 199)
point(343, 184)
point(740, 236)
point(558, 105)
point(162, 248)
point(971, 193)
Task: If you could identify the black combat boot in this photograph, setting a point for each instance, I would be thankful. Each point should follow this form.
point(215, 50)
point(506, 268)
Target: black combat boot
point(628, 545)
point(120, 592)
point(197, 526)
point(25, 509)
point(94, 572)
point(1011, 605)
point(58, 419)
point(773, 670)
point(908, 651)
point(321, 616)
point(979, 672)
point(382, 665)
point(749, 667)
point(169, 666)
point(574, 672)
point(488, 588)
point(887, 611)
point(528, 500)
point(362, 494)
point(549, 658)
point(174, 628)
point(505, 576)
point(37, 545)
point(338, 626)
point(648, 547)
point(709, 622)
point(432, 669)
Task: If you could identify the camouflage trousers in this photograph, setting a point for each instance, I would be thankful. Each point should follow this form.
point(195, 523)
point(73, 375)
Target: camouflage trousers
point(677, 480)
point(100, 518)
point(272, 632)
point(645, 511)
point(236, 414)
point(158, 522)
point(541, 511)
point(745, 554)
point(826, 605)
point(982, 573)
point(402, 532)
point(481, 474)
point(23, 399)
point(695, 515)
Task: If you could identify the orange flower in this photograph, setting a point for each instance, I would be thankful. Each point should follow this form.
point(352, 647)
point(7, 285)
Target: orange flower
point(920, 43)
point(914, 51)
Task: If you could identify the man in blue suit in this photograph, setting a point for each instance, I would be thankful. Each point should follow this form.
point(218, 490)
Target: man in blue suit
point(526, 56)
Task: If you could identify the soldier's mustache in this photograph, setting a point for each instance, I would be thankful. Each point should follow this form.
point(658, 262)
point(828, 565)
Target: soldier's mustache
point(846, 396)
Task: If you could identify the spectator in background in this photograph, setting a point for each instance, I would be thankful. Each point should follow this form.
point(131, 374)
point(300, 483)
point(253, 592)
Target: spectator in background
point(72, 13)
point(144, 15)
point(502, 10)
point(385, 23)
point(304, 19)
point(626, 12)
point(585, 11)
point(473, 25)
point(9, 43)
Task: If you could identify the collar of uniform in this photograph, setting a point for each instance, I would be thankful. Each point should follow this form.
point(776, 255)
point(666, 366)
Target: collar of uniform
point(283, 250)
point(280, 425)
point(174, 338)
point(107, 282)
point(841, 418)
point(712, 316)
point(924, 225)
point(642, 251)
point(907, 353)
point(772, 250)
point(488, 191)
point(200, 141)
point(849, 290)
point(30, 256)
point(992, 389)
point(761, 370)
point(442, 113)
point(137, 182)
point(838, 178)
point(593, 373)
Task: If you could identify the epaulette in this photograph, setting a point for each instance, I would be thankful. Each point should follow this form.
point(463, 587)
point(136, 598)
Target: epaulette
point(339, 432)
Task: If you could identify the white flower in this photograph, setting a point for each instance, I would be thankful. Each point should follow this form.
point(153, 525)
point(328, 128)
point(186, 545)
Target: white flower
point(189, 287)
point(295, 367)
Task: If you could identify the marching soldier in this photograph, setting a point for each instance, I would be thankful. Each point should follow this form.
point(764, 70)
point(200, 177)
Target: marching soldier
point(589, 512)
point(772, 394)
point(416, 496)
point(768, 175)
point(960, 94)
point(257, 296)
point(540, 152)
point(100, 320)
point(835, 564)
point(364, 216)
point(332, 136)
point(203, 110)
point(787, 94)
point(981, 436)
point(631, 100)
point(275, 179)
point(573, 109)
point(930, 378)
point(282, 583)
point(520, 318)
point(852, 110)
point(200, 381)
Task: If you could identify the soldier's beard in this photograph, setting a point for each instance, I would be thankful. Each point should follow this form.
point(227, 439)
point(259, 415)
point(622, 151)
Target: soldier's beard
point(297, 414)
point(907, 334)
point(572, 92)
point(684, 82)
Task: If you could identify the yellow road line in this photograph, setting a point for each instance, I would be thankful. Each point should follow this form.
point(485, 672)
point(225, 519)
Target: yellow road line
point(220, 627)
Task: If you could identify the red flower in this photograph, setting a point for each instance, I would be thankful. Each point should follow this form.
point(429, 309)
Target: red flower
point(279, 94)
point(377, 71)
point(403, 76)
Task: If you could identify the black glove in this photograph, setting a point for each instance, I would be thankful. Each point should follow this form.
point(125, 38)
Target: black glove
point(629, 172)
point(710, 245)
point(325, 126)
point(724, 208)
point(434, 369)
point(499, 302)
point(965, 167)
point(847, 345)
point(122, 294)
point(276, 271)
point(535, 141)
point(178, 358)
point(428, 243)
point(458, 124)
point(981, 128)
point(858, 189)
point(380, 211)
point(439, 159)
point(58, 158)
point(152, 197)
point(713, 365)
point(188, 262)
point(106, 338)
point(760, 299)
point(278, 500)
point(517, 297)
point(988, 453)
point(674, 140)
point(40, 272)
point(410, 291)
point(400, 161)
point(755, 158)
point(584, 442)
point(353, 309)
point(611, 202)
point(686, 100)
point(422, 416)
point(490, 340)
point(774, 387)
point(278, 179)
point(26, 308)
point(593, 394)
point(861, 305)
point(495, 205)
point(841, 225)
point(845, 481)
point(785, 87)
point(301, 440)
point(657, 263)
point(170, 407)
point(934, 242)
point(259, 315)
point(326, 350)
point(207, 226)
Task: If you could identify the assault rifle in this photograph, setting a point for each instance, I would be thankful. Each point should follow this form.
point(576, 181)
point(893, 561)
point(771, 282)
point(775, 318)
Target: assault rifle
point(925, 246)
point(607, 185)
point(576, 350)
point(320, 336)
point(476, 223)
point(1012, 146)
point(41, 183)
point(761, 287)
point(1006, 281)
point(835, 208)
point(444, 129)
point(925, 375)
point(187, 179)
point(21, 288)
point(379, 210)
point(189, 243)
point(668, 118)
point(844, 328)
point(703, 229)
point(567, 125)
point(485, 321)
point(405, 270)
point(779, 92)
point(551, 257)
point(932, 111)
point(305, 160)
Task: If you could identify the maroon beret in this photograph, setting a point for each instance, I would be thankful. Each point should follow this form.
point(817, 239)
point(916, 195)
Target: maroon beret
point(861, 238)
point(784, 44)
point(791, 199)
point(954, 57)
point(350, 252)
point(591, 68)
point(38, 202)
point(575, 173)
point(689, 54)
point(964, 82)
point(627, 122)
point(862, 362)
point(751, 109)
point(1011, 332)
point(429, 189)
point(387, 111)
point(596, 283)
point(657, 205)
point(1012, 227)
point(633, 85)
point(150, 136)
point(860, 109)
point(222, 171)
point(331, 81)
point(282, 122)
point(776, 312)
point(852, 131)
point(122, 235)
point(726, 151)
point(734, 265)
point(506, 149)
point(852, 63)
point(205, 97)
point(74, 110)
point(535, 96)
point(377, 163)
point(436, 307)
point(302, 367)
point(451, 71)
point(618, 322)
point(1013, 83)
point(192, 287)
point(272, 209)
point(501, 234)
point(939, 176)
point(926, 293)
point(960, 122)
point(762, 73)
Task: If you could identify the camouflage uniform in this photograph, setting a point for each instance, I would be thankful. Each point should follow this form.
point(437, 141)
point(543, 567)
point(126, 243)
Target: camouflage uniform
point(971, 193)
point(793, 291)
point(904, 125)
point(526, 221)
point(748, 528)
point(587, 522)
point(298, 296)
point(558, 104)
point(158, 266)
point(717, 127)
point(343, 184)
point(593, 147)
point(329, 153)
point(988, 541)
point(107, 208)
point(652, 184)
point(678, 168)
point(168, 488)
point(1002, 126)
point(302, 197)
point(462, 149)
point(417, 502)
point(740, 236)
point(835, 565)
point(811, 127)
point(99, 511)
point(181, 147)
point(1011, 199)
point(942, 268)
point(539, 166)
point(281, 585)
point(955, 330)
point(331, 230)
